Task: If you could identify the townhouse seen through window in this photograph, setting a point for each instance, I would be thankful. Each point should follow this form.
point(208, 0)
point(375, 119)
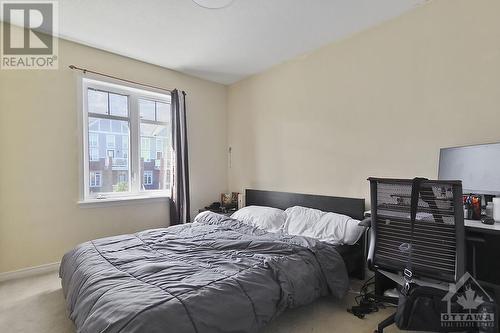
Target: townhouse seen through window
point(127, 141)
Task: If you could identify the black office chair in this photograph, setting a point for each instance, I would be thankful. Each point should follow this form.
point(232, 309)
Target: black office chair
point(438, 244)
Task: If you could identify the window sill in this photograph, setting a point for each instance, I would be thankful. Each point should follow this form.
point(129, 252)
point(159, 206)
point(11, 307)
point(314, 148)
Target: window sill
point(130, 200)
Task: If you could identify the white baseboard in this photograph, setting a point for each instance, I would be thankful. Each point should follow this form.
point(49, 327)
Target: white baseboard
point(30, 271)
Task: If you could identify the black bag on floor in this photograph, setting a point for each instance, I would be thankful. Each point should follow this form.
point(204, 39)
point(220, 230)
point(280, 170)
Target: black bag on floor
point(420, 308)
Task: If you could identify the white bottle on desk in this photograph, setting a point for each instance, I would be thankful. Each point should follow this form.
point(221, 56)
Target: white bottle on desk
point(489, 209)
point(496, 209)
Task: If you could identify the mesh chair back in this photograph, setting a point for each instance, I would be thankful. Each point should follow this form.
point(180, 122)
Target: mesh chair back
point(438, 239)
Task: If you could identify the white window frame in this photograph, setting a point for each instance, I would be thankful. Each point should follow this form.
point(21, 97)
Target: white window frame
point(134, 92)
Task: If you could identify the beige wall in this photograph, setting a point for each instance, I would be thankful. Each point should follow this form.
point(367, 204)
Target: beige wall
point(39, 186)
point(380, 103)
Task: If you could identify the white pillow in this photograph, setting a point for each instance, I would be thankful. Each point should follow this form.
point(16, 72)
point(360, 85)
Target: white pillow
point(267, 218)
point(327, 227)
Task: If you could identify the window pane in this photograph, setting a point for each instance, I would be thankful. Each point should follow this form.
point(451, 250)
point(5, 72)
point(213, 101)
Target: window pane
point(110, 140)
point(97, 101)
point(162, 112)
point(95, 179)
point(155, 157)
point(109, 169)
point(124, 149)
point(94, 125)
point(93, 139)
point(148, 177)
point(145, 149)
point(94, 154)
point(147, 109)
point(118, 105)
point(104, 125)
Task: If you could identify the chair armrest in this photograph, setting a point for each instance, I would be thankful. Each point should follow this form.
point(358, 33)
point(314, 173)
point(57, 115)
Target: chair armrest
point(367, 222)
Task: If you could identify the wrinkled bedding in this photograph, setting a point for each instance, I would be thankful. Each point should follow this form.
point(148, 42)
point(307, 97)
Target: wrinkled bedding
point(214, 275)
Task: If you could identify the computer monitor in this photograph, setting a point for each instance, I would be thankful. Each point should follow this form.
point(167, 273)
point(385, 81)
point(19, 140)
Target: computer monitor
point(478, 167)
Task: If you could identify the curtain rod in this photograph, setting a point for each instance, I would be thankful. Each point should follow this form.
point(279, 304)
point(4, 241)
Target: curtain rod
point(85, 70)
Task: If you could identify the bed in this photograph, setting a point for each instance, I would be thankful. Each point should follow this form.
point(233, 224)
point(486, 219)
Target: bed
point(215, 275)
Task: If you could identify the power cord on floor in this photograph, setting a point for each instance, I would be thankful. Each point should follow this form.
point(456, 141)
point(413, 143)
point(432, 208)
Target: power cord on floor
point(367, 302)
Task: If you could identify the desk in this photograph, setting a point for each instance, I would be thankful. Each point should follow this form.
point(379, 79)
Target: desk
point(487, 252)
point(477, 226)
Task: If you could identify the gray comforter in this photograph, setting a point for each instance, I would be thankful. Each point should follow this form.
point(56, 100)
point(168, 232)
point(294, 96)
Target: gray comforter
point(214, 275)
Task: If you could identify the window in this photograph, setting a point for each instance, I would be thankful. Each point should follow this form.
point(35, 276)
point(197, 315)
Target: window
point(95, 179)
point(94, 154)
point(145, 148)
point(127, 134)
point(155, 142)
point(122, 177)
point(159, 152)
point(159, 147)
point(148, 178)
point(110, 141)
point(125, 146)
point(93, 140)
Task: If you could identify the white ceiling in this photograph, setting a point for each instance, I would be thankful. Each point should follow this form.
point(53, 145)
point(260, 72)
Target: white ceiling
point(223, 45)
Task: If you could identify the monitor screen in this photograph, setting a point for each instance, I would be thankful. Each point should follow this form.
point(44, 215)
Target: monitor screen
point(478, 167)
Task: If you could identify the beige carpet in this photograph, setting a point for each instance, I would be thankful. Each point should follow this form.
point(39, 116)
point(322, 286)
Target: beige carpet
point(36, 305)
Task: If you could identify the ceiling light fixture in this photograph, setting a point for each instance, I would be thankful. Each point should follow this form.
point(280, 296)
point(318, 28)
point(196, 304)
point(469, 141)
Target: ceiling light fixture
point(213, 4)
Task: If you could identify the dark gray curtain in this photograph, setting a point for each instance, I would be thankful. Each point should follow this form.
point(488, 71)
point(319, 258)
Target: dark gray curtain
point(179, 200)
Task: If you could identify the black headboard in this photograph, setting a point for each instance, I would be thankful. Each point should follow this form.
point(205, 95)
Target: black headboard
point(354, 208)
point(355, 256)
